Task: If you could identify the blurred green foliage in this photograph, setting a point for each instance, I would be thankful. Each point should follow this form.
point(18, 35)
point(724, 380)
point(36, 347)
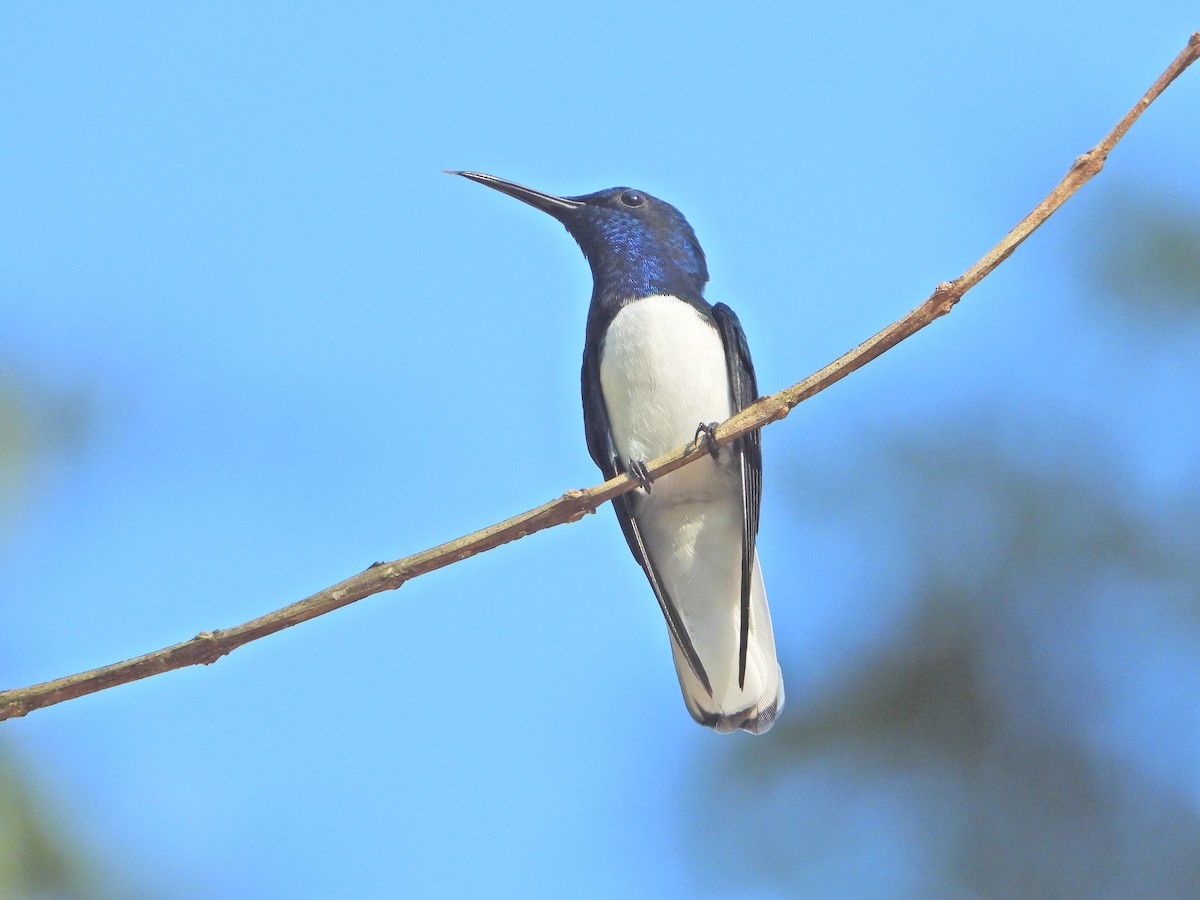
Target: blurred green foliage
point(975, 741)
point(1145, 260)
point(36, 422)
point(16, 447)
point(40, 857)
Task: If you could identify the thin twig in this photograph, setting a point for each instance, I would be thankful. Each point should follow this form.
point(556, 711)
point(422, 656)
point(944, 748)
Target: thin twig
point(209, 646)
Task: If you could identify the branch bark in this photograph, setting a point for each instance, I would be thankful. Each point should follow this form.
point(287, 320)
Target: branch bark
point(209, 646)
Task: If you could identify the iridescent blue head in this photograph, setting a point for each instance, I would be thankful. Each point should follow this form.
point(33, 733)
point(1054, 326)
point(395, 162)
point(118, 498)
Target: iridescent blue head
point(637, 245)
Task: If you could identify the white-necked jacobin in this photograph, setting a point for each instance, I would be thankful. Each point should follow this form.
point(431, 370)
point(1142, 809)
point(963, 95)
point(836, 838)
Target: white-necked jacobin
point(661, 366)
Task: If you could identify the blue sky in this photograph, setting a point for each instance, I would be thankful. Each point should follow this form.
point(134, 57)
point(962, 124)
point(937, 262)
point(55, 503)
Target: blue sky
point(303, 349)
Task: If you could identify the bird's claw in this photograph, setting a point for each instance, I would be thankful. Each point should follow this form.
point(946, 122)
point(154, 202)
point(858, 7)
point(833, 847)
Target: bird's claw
point(639, 470)
point(709, 431)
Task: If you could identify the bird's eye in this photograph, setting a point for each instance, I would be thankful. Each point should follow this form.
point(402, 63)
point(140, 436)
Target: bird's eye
point(633, 199)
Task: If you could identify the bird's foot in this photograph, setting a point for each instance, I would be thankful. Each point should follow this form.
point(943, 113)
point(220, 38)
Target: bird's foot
point(639, 470)
point(710, 436)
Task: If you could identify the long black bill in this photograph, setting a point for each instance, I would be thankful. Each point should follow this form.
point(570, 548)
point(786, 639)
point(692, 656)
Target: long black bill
point(547, 203)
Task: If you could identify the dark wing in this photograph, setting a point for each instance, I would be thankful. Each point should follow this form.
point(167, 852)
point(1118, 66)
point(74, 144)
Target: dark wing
point(747, 450)
point(604, 453)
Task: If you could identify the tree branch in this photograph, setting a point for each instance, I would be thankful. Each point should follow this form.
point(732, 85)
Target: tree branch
point(209, 646)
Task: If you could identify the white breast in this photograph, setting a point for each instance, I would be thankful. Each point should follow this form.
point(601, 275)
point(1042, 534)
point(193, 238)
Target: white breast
point(662, 371)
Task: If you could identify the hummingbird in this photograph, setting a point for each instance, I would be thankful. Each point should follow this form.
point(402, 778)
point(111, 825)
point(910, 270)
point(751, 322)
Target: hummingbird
point(661, 367)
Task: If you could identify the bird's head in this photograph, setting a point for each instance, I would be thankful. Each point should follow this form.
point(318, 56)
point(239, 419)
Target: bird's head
point(636, 244)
